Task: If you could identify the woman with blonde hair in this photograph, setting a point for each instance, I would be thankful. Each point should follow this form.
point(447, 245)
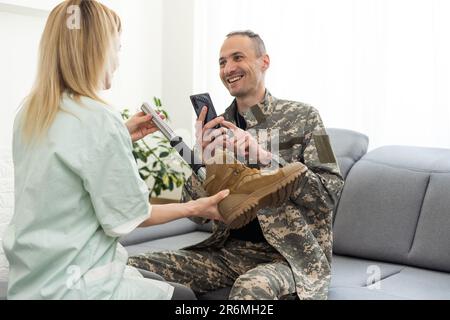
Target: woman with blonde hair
point(77, 188)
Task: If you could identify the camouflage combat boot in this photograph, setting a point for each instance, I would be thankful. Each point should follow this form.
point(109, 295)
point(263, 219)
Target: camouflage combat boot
point(250, 189)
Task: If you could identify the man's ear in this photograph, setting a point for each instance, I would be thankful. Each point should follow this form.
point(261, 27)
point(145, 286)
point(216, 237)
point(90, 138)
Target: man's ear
point(265, 62)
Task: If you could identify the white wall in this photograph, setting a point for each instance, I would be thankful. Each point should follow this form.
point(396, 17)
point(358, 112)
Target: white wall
point(138, 79)
point(17, 65)
point(39, 4)
point(177, 66)
point(380, 67)
point(177, 61)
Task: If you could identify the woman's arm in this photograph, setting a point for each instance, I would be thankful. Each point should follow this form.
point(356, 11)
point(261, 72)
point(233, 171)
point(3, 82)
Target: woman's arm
point(139, 126)
point(204, 208)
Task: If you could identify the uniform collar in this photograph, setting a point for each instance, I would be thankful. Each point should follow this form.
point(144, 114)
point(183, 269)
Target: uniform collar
point(254, 115)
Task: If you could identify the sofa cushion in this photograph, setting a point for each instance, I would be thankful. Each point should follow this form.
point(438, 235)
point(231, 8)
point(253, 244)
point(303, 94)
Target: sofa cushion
point(378, 212)
point(418, 284)
point(355, 293)
point(168, 243)
point(348, 146)
point(349, 275)
point(173, 228)
point(351, 278)
point(354, 272)
point(431, 246)
point(393, 208)
point(337, 293)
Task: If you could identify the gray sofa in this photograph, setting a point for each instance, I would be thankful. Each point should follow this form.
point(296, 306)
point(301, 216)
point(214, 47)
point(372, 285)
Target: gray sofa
point(391, 227)
point(394, 218)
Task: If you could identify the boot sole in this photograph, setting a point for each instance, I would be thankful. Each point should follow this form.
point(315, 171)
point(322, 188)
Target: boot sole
point(272, 195)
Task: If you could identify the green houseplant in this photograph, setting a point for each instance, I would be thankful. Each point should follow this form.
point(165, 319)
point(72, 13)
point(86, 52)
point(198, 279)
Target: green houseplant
point(159, 164)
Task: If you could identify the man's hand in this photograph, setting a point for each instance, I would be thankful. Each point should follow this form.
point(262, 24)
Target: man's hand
point(207, 136)
point(140, 126)
point(244, 145)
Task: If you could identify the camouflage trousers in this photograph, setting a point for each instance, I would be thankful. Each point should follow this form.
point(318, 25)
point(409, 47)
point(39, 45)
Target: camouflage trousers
point(255, 271)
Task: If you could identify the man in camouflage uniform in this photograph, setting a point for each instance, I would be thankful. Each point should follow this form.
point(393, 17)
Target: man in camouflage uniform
point(286, 251)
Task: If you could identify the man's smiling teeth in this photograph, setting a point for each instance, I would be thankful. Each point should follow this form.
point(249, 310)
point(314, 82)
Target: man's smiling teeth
point(233, 80)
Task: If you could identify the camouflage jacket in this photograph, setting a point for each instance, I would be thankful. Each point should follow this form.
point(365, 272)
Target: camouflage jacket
point(301, 229)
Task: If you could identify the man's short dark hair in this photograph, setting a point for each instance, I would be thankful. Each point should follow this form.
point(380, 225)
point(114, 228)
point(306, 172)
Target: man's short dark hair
point(260, 47)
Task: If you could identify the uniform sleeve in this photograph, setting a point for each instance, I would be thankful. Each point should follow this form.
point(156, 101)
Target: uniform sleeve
point(322, 183)
point(193, 190)
point(110, 176)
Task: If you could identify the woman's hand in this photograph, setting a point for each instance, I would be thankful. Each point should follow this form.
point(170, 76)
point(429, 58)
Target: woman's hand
point(141, 125)
point(208, 207)
point(202, 208)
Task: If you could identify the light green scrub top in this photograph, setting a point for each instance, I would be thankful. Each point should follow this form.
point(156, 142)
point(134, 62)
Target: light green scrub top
point(76, 193)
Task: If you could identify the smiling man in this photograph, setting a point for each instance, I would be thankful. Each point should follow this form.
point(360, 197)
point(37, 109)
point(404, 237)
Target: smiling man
point(283, 252)
point(243, 63)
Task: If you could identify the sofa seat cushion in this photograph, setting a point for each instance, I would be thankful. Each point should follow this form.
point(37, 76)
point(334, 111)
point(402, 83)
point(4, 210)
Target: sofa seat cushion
point(418, 284)
point(348, 281)
point(353, 272)
point(357, 293)
point(351, 278)
point(170, 229)
point(168, 243)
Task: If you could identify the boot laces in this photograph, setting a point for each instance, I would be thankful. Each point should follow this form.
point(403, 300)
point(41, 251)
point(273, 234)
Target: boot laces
point(243, 169)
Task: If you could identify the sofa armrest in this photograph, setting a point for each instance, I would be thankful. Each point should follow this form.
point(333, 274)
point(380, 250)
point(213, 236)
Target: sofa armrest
point(348, 146)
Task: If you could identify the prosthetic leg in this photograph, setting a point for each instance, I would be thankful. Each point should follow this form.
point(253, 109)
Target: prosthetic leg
point(177, 143)
point(250, 190)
